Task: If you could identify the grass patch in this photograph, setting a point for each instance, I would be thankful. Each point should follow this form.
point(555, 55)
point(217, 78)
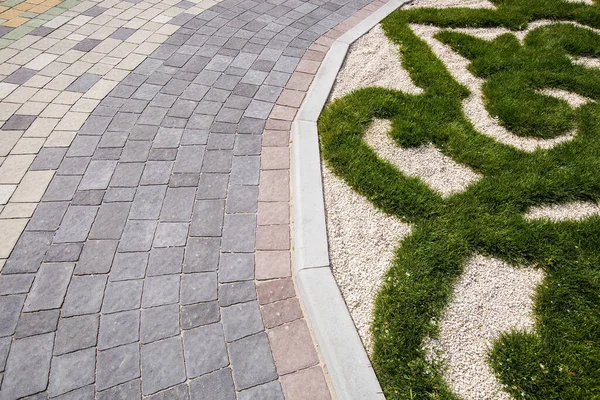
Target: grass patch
point(561, 359)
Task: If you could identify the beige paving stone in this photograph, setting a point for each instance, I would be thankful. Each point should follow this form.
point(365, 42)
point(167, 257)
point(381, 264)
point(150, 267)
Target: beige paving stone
point(45, 43)
point(25, 42)
point(100, 89)
point(92, 57)
point(146, 48)
point(28, 145)
point(18, 210)
point(61, 82)
point(54, 69)
point(67, 98)
point(5, 192)
point(41, 127)
point(7, 110)
point(71, 56)
point(41, 61)
point(60, 139)
point(2, 262)
point(7, 54)
point(10, 230)
point(32, 108)
point(62, 46)
point(8, 140)
point(21, 95)
point(24, 56)
point(116, 75)
point(55, 111)
point(100, 69)
point(111, 60)
point(78, 68)
point(131, 61)
point(32, 187)
point(6, 89)
point(8, 68)
point(85, 105)
point(107, 45)
point(37, 81)
point(14, 168)
point(72, 121)
point(45, 95)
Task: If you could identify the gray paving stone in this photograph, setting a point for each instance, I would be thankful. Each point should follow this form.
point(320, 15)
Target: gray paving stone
point(76, 224)
point(10, 309)
point(36, 323)
point(62, 188)
point(20, 76)
point(162, 365)
point(218, 161)
point(122, 296)
point(245, 170)
point(86, 392)
point(137, 235)
point(207, 219)
point(252, 361)
point(15, 284)
point(88, 198)
point(148, 202)
point(179, 392)
point(115, 195)
point(97, 175)
point(72, 371)
point(178, 204)
point(156, 173)
point(189, 159)
point(239, 233)
point(167, 138)
point(212, 186)
point(115, 366)
point(84, 295)
point(198, 287)
point(159, 323)
point(47, 217)
point(110, 221)
point(49, 288)
point(195, 315)
point(164, 261)
point(83, 146)
point(267, 391)
point(128, 266)
point(242, 199)
point(48, 158)
point(184, 180)
point(201, 254)
point(4, 348)
point(123, 122)
point(29, 251)
point(237, 292)
point(241, 320)
point(215, 386)
point(252, 125)
point(95, 125)
point(18, 122)
point(76, 333)
point(136, 151)
point(160, 290)
point(28, 366)
point(221, 141)
point(268, 93)
point(205, 350)
point(73, 166)
point(143, 132)
point(96, 257)
point(119, 329)
point(169, 234)
point(127, 175)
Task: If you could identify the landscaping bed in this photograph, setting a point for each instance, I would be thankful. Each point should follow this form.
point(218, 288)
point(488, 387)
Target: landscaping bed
point(461, 151)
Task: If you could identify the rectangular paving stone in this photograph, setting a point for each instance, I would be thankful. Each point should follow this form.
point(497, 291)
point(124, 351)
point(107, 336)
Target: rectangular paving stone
point(76, 333)
point(212, 186)
point(207, 219)
point(189, 159)
point(137, 236)
point(84, 295)
point(252, 361)
point(239, 231)
point(36, 323)
point(28, 366)
point(237, 292)
point(88, 197)
point(160, 290)
point(49, 288)
point(127, 175)
point(10, 309)
point(148, 202)
point(201, 255)
point(195, 315)
point(122, 296)
point(98, 174)
point(117, 365)
point(271, 390)
point(76, 224)
point(235, 267)
point(62, 188)
point(110, 221)
point(178, 204)
point(63, 252)
point(28, 252)
point(164, 261)
point(118, 329)
point(241, 320)
point(205, 350)
point(73, 166)
point(156, 173)
point(217, 385)
point(169, 234)
point(245, 170)
point(162, 365)
point(198, 287)
point(15, 284)
point(218, 161)
point(96, 257)
point(242, 199)
point(72, 371)
point(159, 323)
point(129, 266)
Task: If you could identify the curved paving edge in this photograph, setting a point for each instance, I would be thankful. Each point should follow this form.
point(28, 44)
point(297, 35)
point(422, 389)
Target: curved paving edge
point(350, 371)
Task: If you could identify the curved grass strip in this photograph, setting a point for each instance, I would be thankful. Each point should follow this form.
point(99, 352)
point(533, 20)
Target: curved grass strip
point(561, 359)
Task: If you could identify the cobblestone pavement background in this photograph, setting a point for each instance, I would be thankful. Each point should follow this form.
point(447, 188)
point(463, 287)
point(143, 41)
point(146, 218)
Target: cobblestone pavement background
point(130, 147)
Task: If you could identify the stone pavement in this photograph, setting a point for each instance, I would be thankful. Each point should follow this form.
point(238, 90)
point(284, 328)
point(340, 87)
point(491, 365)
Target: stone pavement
point(144, 200)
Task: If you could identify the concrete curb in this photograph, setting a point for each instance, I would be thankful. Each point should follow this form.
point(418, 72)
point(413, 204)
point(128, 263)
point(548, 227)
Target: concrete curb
point(347, 363)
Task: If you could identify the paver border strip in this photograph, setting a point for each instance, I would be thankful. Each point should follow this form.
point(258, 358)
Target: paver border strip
point(346, 360)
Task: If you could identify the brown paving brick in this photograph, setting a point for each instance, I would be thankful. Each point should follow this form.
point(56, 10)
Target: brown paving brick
point(275, 290)
point(308, 66)
point(274, 185)
point(306, 384)
point(290, 98)
point(314, 55)
point(283, 113)
point(273, 213)
point(292, 346)
point(278, 125)
point(281, 312)
point(336, 32)
point(325, 41)
point(318, 47)
point(275, 158)
point(300, 81)
point(273, 138)
point(273, 237)
point(272, 265)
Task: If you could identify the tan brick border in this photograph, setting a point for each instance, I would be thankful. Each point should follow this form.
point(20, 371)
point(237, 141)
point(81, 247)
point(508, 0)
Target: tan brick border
point(300, 369)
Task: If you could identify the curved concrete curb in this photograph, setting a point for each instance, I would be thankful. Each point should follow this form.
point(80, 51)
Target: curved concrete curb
point(349, 368)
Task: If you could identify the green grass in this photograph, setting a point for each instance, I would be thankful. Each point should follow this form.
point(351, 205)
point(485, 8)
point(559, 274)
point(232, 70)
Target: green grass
point(488, 217)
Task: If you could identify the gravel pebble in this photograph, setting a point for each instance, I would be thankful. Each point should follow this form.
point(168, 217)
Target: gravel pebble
point(575, 211)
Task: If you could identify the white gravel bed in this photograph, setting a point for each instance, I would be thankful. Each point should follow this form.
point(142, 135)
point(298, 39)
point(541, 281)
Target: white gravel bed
point(489, 298)
point(438, 171)
point(574, 211)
